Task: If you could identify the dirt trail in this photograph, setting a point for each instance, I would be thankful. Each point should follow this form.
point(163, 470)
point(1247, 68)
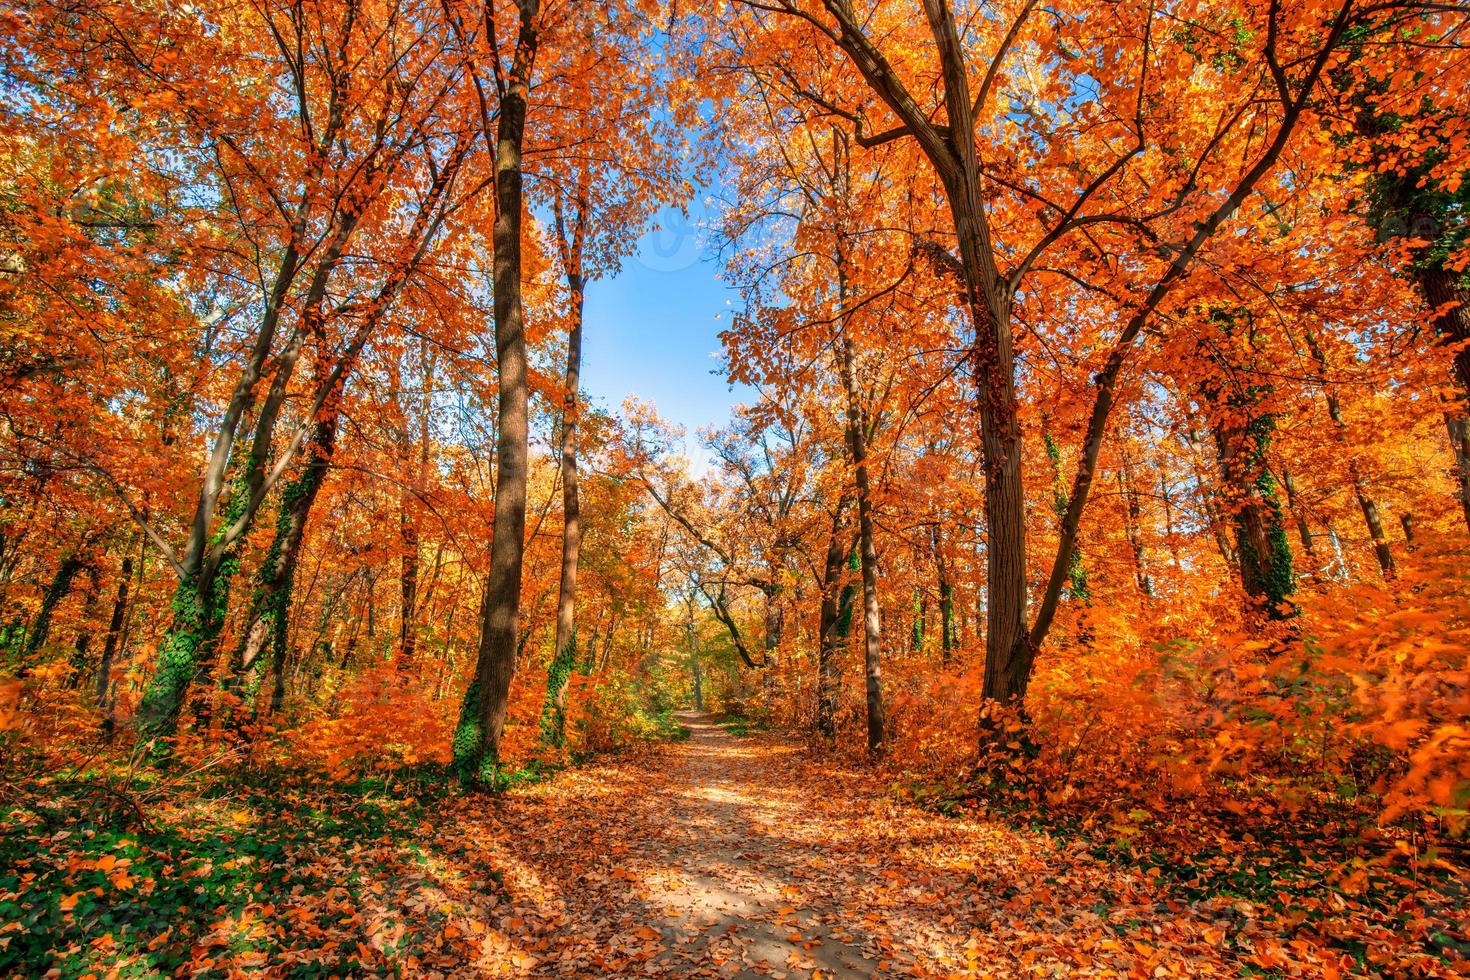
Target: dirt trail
point(735, 856)
point(740, 866)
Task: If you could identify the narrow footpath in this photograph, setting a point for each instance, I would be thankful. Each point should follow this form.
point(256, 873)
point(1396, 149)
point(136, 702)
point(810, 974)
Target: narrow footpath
point(741, 857)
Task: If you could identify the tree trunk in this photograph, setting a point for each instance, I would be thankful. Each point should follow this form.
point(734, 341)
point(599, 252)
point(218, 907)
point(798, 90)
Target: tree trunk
point(1381, 550)
point(408, 587)
point(607, 643)
point(1261, 546)
point(482, 719)
point(565, 654)
point(1076, 570)
point(872, 627)
point(1458, 427)
point(1448, 298)
point(409, 599)
point(186, 655)
point(280, 637)
point(1166, 498)
point(1449, 301)
point(193, 627)
point(775, 622)
point(60, 587)
point(84, 635)
point(114, 631)
point(1360, 490)
point(947, 625)
point(1008, 651)
point(1132, 521)
point(828, 623)
point(270, 608)
point(348, 649)
point(1299, 514)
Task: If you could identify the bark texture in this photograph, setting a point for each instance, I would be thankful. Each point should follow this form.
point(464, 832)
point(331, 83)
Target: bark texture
point(482, 718)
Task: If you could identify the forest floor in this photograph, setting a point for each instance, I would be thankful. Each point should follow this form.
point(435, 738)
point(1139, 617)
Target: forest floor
point(743, 857)
point(724, 855)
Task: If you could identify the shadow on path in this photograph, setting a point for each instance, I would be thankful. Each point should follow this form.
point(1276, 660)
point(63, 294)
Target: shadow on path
point(726, 857)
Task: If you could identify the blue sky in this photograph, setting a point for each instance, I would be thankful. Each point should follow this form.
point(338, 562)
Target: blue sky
point(653, 330)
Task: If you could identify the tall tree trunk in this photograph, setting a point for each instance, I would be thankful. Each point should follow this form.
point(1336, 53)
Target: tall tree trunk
point(1166, 498)
point(1381, 549)
point(1132, 526)
point(267, 623)
point(828, 623)
point(1447, 294)
point(872, 629)
point(607, 643)
point(426, 600)
point(88, 628)
point(775, 622)
point(1299, 514)
point(372, 606)
point(947, 624)
point(1448, 298)
point(280, 640)
point(192, 628)
point(952, 150)
point(1076, 570)
point(482, 719)
point(408, 581)
point(72, 563)
point(189, 654)
point(565, 653)
point(1242, 439)
point(409, 599)
point(348, 648)
point(1369, 507)
point(1458, 427)
point(187, 648)
point(1339, 560)
point(1009, 653)
point(1009, 650)
point(114, 630)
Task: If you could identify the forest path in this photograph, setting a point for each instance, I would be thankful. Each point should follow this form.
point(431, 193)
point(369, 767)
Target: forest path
point(727, 856)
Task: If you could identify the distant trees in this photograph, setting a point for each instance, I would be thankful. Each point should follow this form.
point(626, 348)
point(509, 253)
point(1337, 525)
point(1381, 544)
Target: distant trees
point(1150, 324)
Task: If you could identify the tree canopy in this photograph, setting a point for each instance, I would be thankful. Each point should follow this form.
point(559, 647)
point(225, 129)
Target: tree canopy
point(1106, 465)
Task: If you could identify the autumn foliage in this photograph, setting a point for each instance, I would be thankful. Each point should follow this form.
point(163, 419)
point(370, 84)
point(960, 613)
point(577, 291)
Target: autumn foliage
point(1105, 465)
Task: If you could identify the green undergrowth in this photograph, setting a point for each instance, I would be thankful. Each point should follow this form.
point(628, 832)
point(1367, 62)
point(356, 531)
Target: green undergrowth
point(741, 726)
point(139, 875)
point(527, 774)
point(670, 728)
point(139, 870)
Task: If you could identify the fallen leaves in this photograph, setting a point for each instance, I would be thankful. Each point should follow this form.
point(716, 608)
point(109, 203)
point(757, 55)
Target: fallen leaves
point(712, 859)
